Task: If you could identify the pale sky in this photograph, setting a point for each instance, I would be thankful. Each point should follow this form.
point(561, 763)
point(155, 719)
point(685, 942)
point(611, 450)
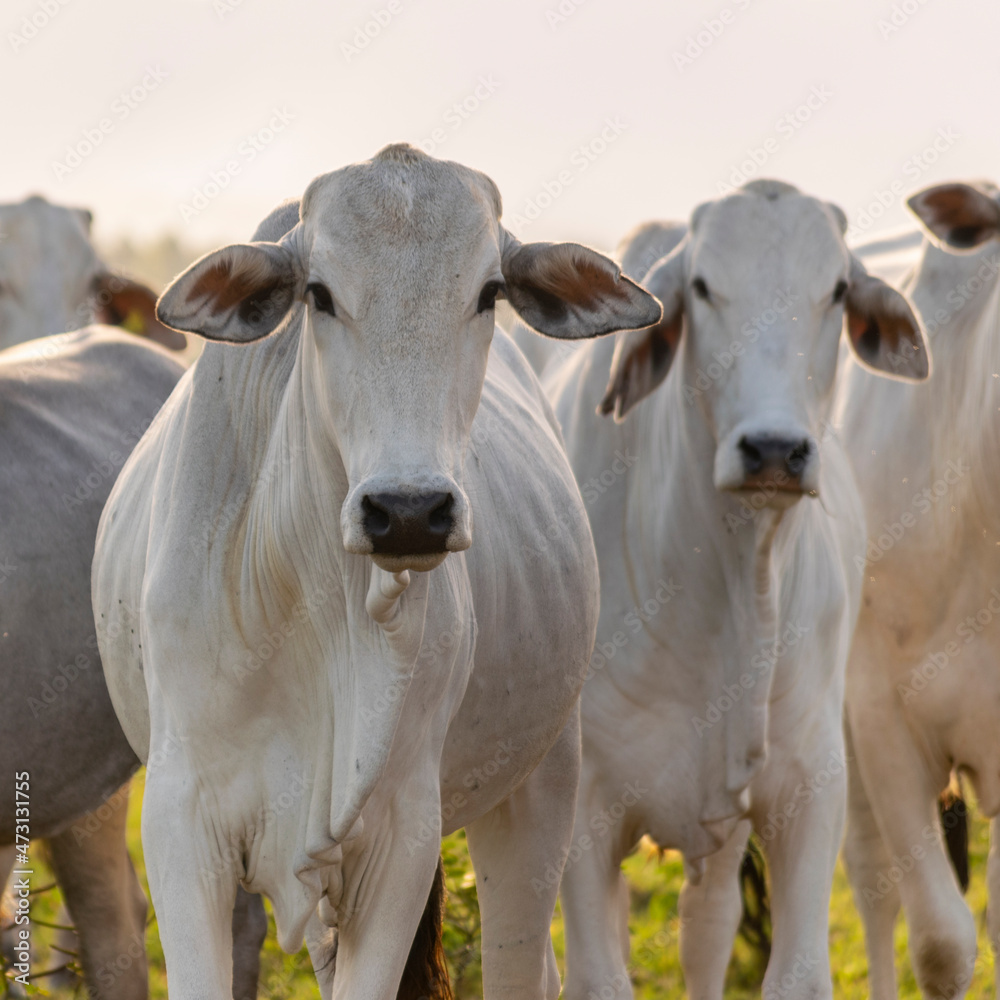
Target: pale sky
point(591, 115)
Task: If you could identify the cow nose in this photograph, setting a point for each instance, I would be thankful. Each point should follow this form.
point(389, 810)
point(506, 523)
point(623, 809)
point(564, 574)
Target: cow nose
point(776, 460)
point(408, 525)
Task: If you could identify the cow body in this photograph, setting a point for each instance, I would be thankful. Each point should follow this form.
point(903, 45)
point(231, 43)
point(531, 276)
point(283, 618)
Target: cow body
point(314, 716)
point(714, 697)
point(923, 684)
point(73, 407)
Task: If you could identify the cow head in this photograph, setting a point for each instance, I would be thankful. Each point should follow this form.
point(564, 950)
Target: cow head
point(399, 262)
point(52, 281)
point(961, 216)
point(763, 285)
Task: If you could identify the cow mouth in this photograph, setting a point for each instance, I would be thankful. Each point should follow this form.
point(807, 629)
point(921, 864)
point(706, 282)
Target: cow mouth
point(766, 493)
point(417, 562)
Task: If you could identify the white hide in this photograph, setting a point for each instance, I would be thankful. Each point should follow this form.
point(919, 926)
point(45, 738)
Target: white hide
point(715, 690)
point(312, 718)
point(923, 682)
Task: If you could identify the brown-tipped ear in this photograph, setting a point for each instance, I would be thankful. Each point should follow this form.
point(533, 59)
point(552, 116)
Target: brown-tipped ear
point(882, 328)
point(960, 215)
point(132, 306)
point(238, 294)
point(642, 358)
point(569, 291)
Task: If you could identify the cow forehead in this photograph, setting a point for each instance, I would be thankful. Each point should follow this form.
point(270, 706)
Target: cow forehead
point(402, 207)
point(785, 237)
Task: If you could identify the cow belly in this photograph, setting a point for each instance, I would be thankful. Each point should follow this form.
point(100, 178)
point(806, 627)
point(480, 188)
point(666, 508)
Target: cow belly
point(953, 703)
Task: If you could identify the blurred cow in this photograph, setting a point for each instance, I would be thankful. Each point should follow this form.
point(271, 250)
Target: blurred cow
point(728, 527)
point(52, 281)
point(923, 681)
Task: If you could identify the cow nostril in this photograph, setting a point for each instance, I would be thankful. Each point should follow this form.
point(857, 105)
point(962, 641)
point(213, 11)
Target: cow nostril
point(796, 459)
point(753, 459)
point(377, 520)
point(440, 520)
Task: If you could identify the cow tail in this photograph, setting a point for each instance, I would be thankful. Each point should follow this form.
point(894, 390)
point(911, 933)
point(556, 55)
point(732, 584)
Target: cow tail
point(955, 823)
point(755, 923)
point(426, 974)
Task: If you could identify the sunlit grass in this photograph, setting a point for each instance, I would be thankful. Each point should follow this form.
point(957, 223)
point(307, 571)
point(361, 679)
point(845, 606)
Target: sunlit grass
point(655, 965)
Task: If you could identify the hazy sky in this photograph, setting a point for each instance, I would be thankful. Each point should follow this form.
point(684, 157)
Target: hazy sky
point(591, 115)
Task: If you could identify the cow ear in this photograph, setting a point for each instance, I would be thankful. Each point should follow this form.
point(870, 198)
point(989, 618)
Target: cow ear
point(883, 329)
point(570, 292)
point(128, 304)
point(237, 294)
point(642, 358)
point(961, 215)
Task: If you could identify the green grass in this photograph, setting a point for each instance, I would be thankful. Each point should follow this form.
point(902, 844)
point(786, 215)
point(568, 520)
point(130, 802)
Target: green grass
point(655, 965)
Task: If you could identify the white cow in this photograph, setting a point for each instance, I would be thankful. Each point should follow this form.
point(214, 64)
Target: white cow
point(728, 527)
point(318, 688)
point(52, 281)
point(923, 682)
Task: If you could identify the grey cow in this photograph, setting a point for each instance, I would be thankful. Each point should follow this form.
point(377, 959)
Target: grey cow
point(72, 407)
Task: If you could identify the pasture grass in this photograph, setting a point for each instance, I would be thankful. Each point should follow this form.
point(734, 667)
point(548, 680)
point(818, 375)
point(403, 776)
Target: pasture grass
point(655, 881)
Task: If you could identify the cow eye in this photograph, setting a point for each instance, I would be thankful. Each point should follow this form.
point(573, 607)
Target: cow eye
point(839, 291)
point(488, 296)
point(700, 289)
point(322, 298)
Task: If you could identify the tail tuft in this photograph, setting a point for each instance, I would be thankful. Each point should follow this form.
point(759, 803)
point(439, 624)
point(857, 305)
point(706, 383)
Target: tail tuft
point(426, 974)
point(755, 924)
point(955, 823)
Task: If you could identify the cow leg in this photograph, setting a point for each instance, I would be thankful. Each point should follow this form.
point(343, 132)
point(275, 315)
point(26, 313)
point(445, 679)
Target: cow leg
point(192, 885)
point(875, 896)
point(249, 931)
point(993, 893)
point(595, 895)
point(904, 798)
point(106, 903)
point(383, 912)
point(801, 856)
point(322, 943)
point(517, 851)
point(710, 916)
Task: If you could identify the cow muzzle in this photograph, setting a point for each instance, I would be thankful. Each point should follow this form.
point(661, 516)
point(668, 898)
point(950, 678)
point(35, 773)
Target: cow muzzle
point(780, 467)
point(407, 527)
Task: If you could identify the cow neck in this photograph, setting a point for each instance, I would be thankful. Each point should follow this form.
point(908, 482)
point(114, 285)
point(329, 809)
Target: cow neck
point(740, 560)
point(958, 409)
point(291, 543)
